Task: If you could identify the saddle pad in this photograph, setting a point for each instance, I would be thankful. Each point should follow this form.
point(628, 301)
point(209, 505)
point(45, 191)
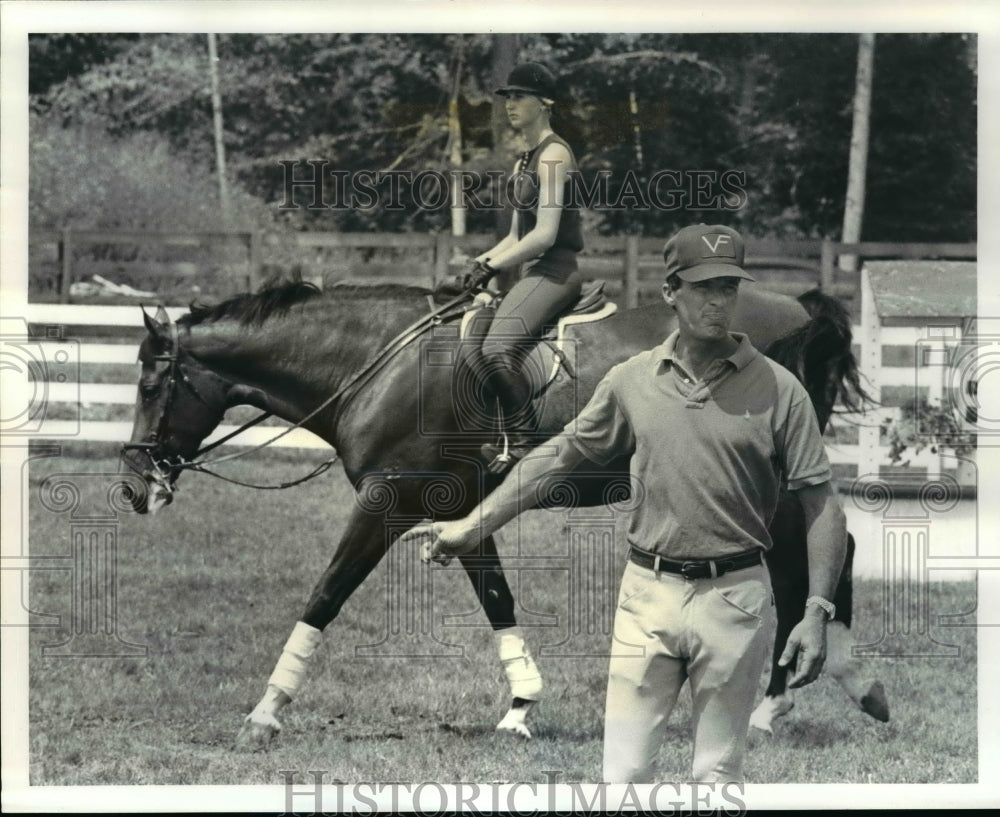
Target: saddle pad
point(543, 363)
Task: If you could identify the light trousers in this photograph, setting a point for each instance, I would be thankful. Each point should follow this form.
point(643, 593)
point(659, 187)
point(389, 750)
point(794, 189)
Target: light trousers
point(714, 633)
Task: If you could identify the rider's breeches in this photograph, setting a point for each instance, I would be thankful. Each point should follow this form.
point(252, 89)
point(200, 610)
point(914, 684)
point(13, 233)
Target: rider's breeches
point(713, 632)
point(525, 311)
point(530, 305)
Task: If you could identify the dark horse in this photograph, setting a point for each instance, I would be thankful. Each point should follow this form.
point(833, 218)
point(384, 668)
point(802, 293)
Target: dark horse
point(323, 362)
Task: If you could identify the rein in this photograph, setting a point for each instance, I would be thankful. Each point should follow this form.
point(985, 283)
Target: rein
point(375, 364)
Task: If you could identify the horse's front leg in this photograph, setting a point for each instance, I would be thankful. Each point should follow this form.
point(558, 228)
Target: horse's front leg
point(361, 548)
point(488, 580)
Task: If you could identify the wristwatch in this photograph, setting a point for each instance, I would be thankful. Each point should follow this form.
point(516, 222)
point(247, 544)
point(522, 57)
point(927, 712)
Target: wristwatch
point(828, 607)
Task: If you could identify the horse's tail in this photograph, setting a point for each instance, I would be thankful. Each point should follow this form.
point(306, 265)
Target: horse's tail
point(819, 354)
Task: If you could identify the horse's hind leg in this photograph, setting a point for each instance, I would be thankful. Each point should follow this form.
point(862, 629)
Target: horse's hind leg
point(360, 549)
point(866, 692)
point(488, 580)
point(788, 565)
point(789, 602)
point(789, 576)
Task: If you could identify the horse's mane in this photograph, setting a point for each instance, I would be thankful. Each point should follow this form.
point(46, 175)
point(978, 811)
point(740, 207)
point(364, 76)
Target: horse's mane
point(276, 299)
point(253, 308)
point(819, 353)
point(354, 288)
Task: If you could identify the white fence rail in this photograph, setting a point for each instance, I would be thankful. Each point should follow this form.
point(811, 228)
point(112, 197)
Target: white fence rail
point(73, 393)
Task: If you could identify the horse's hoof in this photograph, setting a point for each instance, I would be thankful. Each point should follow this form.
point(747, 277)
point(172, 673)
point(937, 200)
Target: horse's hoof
point(515, 721)
point(768, 710)
point(512, 727)
point(762, 721)
point(874, 702)
point(257, 732)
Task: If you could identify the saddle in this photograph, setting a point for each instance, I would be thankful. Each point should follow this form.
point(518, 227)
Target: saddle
point(550, 354)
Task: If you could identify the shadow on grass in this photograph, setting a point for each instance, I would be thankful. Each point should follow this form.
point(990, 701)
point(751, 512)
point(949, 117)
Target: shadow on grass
point(815, 734)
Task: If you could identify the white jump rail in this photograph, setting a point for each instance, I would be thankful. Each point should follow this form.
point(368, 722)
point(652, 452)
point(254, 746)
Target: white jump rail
point(123, 354)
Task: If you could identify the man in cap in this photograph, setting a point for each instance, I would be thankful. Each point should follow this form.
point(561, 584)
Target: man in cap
point(714, 430)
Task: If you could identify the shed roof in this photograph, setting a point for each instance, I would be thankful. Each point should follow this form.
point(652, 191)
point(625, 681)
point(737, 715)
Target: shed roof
point(923, 289)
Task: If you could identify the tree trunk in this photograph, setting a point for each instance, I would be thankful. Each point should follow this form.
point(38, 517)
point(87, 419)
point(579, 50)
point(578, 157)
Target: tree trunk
point(220, 148)
point(505, 50)
point(458, 209)
point(854, 206)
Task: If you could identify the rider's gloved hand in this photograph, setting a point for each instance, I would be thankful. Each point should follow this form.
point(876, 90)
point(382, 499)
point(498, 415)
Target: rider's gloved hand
point(479, 276)
point(476, 278)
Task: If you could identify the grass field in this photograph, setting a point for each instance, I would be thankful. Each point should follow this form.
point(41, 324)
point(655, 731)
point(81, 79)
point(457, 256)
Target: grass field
point(212, 586)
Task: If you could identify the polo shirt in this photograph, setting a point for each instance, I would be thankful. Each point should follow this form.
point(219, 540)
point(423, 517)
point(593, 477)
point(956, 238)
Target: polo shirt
point(707, 458)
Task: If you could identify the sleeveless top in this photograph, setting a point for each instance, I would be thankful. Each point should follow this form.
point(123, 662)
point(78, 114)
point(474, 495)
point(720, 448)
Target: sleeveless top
point(522, 192)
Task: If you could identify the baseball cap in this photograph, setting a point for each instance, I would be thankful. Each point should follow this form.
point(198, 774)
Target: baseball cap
point(702, 251)
point(530, 78)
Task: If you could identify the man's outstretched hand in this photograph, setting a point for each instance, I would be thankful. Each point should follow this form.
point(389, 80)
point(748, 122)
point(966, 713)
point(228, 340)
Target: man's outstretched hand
point(440, 541)
point(805, 650)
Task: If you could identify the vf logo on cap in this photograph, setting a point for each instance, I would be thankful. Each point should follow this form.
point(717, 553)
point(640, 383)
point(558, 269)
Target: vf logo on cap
point(719, 244)
point(702, 251)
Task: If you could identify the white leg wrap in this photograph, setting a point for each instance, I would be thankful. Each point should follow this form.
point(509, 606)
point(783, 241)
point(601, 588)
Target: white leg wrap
point(294, 662)
point(522, 674)
point(515, 722)
point(769, 710)
point(264, 714)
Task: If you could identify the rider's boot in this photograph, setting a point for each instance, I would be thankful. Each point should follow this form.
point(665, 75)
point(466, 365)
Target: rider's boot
point(520, 421)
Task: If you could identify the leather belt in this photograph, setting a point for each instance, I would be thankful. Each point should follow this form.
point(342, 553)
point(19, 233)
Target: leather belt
point(695, 568)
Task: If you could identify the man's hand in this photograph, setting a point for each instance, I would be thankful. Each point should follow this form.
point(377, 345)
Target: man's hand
point(440, 541)
point(807, 647)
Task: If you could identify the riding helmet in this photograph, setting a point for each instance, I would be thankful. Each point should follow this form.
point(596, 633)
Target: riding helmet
point(530, 78)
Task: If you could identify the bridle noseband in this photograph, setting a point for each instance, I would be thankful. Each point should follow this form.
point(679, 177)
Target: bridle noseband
point(164, 469)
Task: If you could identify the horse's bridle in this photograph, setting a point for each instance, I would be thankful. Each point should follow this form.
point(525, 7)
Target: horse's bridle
point(165, 469)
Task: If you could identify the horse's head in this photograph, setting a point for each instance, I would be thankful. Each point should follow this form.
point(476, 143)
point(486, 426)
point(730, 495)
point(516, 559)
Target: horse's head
point(179, 403)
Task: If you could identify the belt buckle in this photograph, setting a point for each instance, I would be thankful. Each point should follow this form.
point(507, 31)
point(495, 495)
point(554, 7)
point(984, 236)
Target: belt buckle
point(689, 570)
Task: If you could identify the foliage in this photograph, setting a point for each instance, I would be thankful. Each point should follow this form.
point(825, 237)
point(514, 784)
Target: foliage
point(54, 58)
point(921, 425)
point(774, 107)
point(923, 140)
point(84, 178)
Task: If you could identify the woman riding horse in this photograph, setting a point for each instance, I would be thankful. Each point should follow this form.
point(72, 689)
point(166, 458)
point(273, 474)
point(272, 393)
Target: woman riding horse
point(545, 237)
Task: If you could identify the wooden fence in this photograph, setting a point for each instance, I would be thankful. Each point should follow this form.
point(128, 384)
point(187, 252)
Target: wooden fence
point(632, 265)
point(105, 339)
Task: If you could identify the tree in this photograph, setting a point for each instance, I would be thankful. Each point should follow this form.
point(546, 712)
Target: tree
point(857, 166)
point(775, 108)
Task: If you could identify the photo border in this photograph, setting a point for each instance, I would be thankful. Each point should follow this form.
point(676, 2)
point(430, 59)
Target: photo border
point(20, 18)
